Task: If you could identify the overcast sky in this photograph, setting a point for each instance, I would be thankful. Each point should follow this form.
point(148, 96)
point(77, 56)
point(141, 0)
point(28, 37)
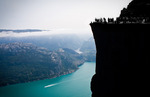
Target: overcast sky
point(56, 14)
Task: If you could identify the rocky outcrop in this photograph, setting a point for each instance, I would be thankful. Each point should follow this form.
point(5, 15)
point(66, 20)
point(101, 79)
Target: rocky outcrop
point(137, 8)
point(122, 58)
point(137, 12)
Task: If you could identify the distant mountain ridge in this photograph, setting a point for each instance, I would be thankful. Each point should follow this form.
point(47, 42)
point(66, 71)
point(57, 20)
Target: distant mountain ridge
point(25, 59)
point(88, 50)
point(24, 62)
point(51, 42)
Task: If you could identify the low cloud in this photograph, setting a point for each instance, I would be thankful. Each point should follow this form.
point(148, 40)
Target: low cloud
point(23, 33)
point(27, 33)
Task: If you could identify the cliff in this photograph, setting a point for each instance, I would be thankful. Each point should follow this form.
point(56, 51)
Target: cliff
point(122, 57)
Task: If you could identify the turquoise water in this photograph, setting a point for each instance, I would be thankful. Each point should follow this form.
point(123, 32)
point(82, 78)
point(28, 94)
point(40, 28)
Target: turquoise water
point(76, 84)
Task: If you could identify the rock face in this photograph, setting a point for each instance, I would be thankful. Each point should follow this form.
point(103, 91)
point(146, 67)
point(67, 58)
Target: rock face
point(122, 58)
point(137, 8)
point(25, 62)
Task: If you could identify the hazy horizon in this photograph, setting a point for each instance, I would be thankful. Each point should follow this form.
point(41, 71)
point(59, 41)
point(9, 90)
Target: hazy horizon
point(71, 16)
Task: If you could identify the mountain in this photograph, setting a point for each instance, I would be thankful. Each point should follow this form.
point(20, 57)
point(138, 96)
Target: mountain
point(25, 62)
point(51, 42)
point(88, 50)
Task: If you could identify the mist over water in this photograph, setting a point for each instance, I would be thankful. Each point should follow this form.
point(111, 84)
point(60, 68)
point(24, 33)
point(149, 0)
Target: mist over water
point(76, 84)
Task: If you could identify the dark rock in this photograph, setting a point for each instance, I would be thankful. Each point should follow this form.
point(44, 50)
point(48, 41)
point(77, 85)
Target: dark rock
point(137, 8)
point(122, 59)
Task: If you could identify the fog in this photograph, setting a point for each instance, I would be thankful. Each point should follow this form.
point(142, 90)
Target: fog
point(59, 16)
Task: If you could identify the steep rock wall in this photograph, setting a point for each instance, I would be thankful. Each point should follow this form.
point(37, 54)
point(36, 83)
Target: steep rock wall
point(122, 59)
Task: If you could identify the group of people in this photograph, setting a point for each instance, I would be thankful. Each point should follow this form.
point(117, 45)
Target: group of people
point(104, 21)
point(124, 20)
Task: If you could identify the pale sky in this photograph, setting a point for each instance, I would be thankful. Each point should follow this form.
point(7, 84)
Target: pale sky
point(62, 15)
